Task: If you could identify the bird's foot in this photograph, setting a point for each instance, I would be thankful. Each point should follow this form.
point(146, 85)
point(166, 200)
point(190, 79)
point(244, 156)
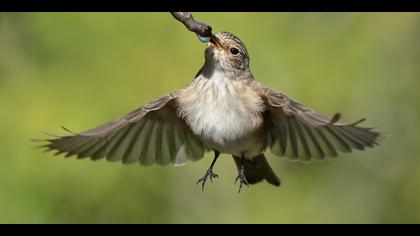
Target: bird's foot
point(242, 179)
point(209, 173)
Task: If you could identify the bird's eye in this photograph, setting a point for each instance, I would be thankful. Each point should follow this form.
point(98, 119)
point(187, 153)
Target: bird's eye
point(234, 51)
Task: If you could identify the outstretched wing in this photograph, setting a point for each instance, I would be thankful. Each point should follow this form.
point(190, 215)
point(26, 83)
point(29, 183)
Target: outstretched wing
point(299, 133)
point(151, 134)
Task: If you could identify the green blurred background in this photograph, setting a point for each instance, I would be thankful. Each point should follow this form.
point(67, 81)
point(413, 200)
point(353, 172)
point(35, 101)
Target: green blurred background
point(80, 70)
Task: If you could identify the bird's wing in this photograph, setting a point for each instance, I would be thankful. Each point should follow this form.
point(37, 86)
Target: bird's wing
point(151, 134)
point(299, 133)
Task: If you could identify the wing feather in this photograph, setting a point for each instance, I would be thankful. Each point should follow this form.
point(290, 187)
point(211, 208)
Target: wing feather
point(151, 134)
point(299, 133)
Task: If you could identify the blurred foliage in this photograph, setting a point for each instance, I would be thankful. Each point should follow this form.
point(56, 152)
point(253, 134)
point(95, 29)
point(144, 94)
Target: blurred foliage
point(83, 69)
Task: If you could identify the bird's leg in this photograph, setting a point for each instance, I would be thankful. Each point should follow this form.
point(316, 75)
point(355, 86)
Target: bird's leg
point(209, 172)
point(241, 176)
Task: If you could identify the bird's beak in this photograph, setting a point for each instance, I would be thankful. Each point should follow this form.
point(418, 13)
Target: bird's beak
point(216, 42)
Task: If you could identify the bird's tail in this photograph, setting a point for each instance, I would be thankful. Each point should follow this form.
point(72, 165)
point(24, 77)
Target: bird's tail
point(257, 169)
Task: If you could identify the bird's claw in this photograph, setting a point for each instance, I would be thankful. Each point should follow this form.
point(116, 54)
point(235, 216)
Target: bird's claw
point(203, 179)
point(242, 180)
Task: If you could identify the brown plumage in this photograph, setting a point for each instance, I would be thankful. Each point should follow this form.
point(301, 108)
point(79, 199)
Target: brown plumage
point(225, 110)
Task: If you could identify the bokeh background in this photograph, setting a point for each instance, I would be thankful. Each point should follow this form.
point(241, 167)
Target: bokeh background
point(80, 70)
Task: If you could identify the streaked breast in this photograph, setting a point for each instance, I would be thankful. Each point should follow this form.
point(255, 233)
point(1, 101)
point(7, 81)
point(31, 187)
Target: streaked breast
point(220, 109)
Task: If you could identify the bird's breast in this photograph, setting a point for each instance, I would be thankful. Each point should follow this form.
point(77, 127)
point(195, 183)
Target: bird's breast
point(221, 111)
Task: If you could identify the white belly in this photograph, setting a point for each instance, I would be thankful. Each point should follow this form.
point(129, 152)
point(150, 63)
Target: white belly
point(225, 114)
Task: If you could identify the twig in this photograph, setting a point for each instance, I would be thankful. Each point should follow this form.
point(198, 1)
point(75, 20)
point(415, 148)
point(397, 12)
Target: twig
point(192, 25)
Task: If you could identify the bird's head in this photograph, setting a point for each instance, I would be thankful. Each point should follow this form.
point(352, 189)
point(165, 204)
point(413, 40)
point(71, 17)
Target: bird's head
point(226, 52)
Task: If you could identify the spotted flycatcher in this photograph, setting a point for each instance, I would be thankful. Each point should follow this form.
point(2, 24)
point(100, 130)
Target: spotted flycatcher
point(224, 110)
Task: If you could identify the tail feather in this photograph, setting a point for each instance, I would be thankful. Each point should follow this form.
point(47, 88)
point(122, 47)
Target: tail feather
point(257, 170)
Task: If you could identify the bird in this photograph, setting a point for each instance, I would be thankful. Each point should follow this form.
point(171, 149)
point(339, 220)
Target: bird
point(223, 110)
